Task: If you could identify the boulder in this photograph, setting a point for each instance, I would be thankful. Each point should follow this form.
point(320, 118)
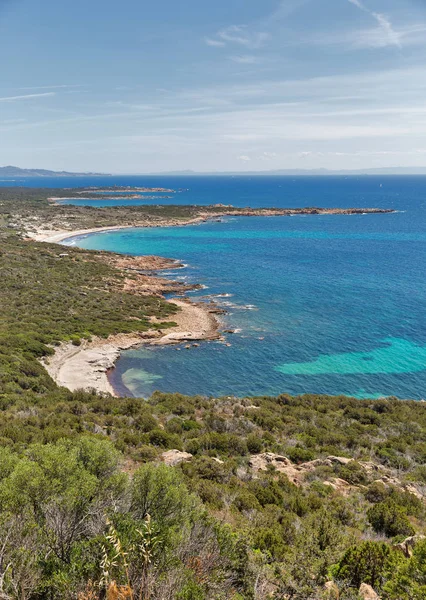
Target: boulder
point(260, 462)
point(331, 591)
point(371, 467)
point(172, 458)
point(311, 465)
point(367, 593)
point(339, 485)
point(342, 460)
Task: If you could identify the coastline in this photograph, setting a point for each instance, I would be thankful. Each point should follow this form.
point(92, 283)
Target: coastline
point(87, 366)
point(56, 236)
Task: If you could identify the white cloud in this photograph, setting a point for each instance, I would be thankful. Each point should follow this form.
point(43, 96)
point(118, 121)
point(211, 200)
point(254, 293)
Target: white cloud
point(310, 121)
point(52, 87)
point(383, 35)
point(246, 59)
point(214, 43)
point(26, 97)
point(240, 35)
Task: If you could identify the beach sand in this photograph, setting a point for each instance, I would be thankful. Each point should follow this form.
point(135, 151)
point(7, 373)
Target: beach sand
point(86, 367)
point(59, 235)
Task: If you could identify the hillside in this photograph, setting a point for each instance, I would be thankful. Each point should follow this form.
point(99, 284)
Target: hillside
point(187, 498)
point(9, 172)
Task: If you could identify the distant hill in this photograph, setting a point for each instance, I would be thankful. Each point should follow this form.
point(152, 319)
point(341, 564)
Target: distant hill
point(12, 172)
point(304, 172)
point(371, 171)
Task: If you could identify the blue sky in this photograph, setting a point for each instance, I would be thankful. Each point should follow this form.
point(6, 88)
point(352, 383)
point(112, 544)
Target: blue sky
point(232, 85)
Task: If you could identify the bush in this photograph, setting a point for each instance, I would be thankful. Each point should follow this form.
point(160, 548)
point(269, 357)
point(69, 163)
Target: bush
point(254, 444)
point(370, 562)
point(389, 518)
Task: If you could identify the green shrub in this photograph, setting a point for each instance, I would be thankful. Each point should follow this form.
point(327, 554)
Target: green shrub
point(389, 518)
point(369, 562)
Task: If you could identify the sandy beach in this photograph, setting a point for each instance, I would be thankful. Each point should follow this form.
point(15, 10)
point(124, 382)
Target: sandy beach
point(59, 235)
point(86, 366)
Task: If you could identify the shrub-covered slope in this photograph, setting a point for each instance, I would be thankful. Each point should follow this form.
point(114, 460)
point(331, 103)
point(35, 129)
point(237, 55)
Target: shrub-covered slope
point(268, 498)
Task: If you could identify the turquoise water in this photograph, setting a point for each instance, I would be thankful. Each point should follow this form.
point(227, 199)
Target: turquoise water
point(321, 304)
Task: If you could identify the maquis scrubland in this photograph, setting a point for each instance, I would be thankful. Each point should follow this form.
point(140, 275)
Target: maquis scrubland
point(186, 498)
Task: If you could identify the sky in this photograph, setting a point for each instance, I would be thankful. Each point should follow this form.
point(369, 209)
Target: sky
point(142, 86)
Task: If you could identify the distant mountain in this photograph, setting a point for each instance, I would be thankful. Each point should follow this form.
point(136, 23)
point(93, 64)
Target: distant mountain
point(12, 172)
point(373, 171)
point(304, 172)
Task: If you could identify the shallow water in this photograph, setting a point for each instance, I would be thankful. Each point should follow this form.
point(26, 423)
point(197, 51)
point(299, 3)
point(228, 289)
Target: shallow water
point(324, 304)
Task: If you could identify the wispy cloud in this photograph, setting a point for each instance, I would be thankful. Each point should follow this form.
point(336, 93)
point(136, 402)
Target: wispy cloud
point(52, 87)
point(26, 97)
point(246, 59)
point(240, 35)
point(384, 34)
point(214, 43)
point(286, 8)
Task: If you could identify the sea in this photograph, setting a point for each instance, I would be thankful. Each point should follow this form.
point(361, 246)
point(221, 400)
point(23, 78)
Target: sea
point(318, 304)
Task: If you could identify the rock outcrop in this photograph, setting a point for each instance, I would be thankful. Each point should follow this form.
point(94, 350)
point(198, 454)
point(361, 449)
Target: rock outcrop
point(331, 591)
point(408, 545)
point(340, 485)
point(366, 592)
point(172, 458)
point(296, 473)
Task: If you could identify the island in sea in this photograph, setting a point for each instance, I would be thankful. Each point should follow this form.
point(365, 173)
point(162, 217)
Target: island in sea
point(182, 497)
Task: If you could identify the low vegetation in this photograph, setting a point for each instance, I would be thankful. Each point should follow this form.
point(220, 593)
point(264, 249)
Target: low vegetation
point(188, 498)
point(29, 208)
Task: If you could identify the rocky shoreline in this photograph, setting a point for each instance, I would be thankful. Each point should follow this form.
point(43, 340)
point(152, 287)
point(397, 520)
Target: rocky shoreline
point(87, 366)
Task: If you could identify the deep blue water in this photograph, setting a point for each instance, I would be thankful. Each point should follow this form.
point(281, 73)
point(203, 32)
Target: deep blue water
point(342, 191)
point(325, 304)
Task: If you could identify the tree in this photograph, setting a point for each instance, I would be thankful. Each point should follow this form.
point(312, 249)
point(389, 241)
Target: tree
point(65, 488)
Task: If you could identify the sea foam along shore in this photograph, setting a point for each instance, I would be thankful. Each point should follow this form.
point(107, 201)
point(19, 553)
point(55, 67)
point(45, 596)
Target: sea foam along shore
point(87, 366)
